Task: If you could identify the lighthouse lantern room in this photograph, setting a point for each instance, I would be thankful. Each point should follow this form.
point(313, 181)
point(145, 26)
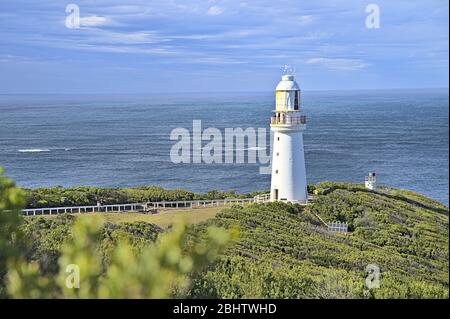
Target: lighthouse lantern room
point(288, 158)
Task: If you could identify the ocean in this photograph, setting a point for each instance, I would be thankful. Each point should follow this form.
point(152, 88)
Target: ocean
point(122, 141)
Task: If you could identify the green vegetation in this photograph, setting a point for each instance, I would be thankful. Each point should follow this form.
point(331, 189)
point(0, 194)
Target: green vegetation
point(10, 238)
point(130, 271)
point(283, 250)
point(66, 257)
point(89, 196)
point(164, 218)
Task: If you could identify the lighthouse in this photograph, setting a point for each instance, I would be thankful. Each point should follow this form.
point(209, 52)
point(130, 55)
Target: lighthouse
point(288, 158)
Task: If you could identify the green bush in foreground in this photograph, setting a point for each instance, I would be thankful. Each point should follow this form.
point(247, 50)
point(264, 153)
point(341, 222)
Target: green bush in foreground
point(156, 271)
point(11, 201)
point(152, 271)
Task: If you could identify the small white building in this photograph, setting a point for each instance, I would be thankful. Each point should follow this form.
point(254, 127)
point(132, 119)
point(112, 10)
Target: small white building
point(288, 158)
point(371, 182)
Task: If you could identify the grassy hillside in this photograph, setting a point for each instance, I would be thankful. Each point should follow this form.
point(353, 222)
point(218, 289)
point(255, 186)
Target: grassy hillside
point(283, 250)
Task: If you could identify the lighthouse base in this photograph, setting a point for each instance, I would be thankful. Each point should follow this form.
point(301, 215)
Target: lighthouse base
point(288, 167)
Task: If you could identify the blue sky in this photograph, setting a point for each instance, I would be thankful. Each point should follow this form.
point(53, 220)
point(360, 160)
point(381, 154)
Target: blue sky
point(147, 46)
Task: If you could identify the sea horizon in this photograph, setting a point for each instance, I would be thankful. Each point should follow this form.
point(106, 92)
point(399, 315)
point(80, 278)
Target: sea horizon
point(123, 140)
point(268, 91)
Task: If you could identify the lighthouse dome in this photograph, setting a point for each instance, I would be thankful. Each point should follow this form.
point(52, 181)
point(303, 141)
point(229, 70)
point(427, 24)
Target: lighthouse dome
point(288, 83)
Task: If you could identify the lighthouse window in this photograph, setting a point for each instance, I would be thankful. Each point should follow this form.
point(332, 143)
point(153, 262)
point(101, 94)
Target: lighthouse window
point(278, 138)
point(276, 172)
point(278, 154)
point(296, 101)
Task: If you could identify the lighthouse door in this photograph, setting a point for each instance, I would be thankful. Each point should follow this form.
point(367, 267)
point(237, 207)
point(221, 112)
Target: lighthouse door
point(276, 193)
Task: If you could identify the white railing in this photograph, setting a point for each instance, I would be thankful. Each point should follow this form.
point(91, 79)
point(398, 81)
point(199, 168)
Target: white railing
point(338, 227)
point(288, 118)
point(262, 198)
point(135, 207)
point(145, 207)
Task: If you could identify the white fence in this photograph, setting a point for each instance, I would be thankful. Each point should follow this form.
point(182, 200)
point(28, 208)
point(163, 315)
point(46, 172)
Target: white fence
point(137, 207)
point(338, 227)
point(262, 198)
point(145, 207)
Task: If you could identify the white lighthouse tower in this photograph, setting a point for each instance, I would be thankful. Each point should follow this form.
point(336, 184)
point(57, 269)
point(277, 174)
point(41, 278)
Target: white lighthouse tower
point(288, 159)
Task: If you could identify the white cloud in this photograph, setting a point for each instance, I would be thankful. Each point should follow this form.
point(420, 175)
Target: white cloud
point(339, 63)
point(217, 36)
point(127, 9)
point(157, 51)
point(141, 37)
point(95, 21)
point(215, 11)
point(213, 60)
point(305, 20)
point(101, 36)
point(8, 58)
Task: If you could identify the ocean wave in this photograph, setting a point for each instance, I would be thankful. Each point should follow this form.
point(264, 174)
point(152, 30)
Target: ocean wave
point(34, 150)
point(40, 150)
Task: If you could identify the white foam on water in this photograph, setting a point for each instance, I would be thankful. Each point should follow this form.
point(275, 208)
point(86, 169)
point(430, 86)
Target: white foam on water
point(40, 150)
point(34, 150)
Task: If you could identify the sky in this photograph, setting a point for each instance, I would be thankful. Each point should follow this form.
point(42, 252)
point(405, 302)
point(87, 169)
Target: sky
point(177, 46)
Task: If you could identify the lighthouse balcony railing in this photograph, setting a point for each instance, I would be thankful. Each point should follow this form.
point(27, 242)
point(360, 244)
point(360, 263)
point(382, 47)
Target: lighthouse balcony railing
point(287, 119)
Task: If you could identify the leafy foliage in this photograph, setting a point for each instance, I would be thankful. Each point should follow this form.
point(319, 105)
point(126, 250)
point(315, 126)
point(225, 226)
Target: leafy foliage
point(155, 271)
point(284, 253)
point(10, 204)
point(88, 196)
point(108, 261)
